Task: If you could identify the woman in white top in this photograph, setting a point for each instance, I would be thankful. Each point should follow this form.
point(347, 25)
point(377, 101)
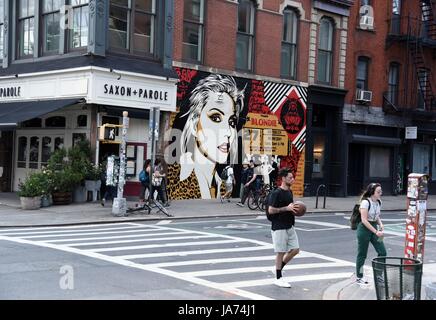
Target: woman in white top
point(370, 229)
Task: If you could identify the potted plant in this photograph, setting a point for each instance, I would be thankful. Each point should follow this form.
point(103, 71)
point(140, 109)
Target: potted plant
point(30, 192)
point(93, 179)
point(64, 182)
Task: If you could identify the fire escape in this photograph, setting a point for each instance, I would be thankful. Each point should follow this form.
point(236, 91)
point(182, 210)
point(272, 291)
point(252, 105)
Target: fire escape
point(419, 36)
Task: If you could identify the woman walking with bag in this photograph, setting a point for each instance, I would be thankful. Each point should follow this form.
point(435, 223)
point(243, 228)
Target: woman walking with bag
point(370, 229)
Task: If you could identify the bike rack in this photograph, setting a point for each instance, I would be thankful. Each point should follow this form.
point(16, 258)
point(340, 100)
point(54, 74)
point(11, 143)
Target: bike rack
point(317, 194)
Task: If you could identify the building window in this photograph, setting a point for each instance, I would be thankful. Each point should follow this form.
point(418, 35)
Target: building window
point(26, 20)
point(46, 150)
point(245, 35)
point(325, 51)
point(32, 123)
point(422, 82)
point(55, 122)
point(34, 153)
point(421, 158)
point(51, 25)
point(79, 33)
point(396, 7)
point(362, 73)
point(379, 162)
point(132, 25)
point(289, 44)
point(193, 26)
point(82, 120)
point(2, 13)
point(393, 82)
point(22, 152)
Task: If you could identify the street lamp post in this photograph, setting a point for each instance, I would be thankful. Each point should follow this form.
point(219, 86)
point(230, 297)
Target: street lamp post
point(119, 207)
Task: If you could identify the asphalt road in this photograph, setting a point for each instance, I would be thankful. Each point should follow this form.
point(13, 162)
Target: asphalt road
point(202, 259)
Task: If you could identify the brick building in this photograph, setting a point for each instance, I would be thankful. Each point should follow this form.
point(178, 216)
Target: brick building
point(390, 82)
point(289, 57)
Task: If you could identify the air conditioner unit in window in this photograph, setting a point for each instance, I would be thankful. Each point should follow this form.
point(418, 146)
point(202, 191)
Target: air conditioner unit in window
point(363, 96)
point(366, 22)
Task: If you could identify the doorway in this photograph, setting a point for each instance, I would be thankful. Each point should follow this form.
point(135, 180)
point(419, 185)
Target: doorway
point(356, 168)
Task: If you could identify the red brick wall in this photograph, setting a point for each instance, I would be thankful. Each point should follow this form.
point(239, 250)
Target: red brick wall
point(373, 44)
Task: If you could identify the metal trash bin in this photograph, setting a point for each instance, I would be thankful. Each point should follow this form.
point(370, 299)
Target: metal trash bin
point(397, 278)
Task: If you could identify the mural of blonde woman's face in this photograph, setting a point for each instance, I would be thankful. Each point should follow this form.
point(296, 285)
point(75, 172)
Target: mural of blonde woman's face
point(217, 127)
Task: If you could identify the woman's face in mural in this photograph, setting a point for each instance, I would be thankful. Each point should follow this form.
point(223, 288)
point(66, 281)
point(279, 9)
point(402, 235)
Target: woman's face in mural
point(217, 127)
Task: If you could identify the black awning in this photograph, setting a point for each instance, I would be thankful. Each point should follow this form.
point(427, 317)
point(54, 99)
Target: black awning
point(360, 138)
point(14, 112)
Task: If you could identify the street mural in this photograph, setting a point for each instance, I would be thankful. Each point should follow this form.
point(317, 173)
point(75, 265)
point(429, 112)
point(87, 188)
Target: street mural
point(227, 120)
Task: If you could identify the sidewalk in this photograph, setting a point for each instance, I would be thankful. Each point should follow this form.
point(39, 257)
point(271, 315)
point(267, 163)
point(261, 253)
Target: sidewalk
point(11, 215)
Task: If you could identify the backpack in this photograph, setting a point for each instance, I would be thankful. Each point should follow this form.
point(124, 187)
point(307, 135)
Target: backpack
point(144, 177)
point(224, 174)
point(267, 204)
point(355, 218)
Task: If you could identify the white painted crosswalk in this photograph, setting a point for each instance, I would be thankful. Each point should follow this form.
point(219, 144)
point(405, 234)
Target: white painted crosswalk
point(224, 262)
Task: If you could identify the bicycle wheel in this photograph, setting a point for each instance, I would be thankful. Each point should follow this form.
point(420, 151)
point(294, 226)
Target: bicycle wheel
point(262, 203)
point(252, 202)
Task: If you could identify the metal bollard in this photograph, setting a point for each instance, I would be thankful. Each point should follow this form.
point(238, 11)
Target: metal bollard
point(430, 291)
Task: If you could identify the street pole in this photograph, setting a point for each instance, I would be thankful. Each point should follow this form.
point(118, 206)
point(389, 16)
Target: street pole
point(119, 207)
point(153, 134)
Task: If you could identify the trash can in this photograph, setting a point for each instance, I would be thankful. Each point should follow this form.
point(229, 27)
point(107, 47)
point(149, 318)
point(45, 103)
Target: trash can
point(397, 278)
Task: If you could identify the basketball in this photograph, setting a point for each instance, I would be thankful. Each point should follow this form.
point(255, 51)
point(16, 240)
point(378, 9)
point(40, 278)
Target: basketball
point(301, 208)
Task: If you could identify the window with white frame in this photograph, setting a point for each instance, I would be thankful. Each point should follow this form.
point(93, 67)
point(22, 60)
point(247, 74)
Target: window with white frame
point(132, 26)
point(245, 35)
point(25, 28)
point(193, 28)
point(289, 44)
point(80, 31)
point(50, 25)
point(325, 51)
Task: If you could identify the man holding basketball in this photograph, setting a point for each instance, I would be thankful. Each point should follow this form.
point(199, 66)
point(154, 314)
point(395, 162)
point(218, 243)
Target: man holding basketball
point(281, 209)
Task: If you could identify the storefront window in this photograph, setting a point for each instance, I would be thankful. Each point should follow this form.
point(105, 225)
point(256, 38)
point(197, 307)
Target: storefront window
point(421, 158)
point(59, 143)
point(22, 152)
point(56, 122)
point(32, 123)
point(379, 162)
point(46, 150)
point(318, 156)
point(82, 120)
point(34, 153)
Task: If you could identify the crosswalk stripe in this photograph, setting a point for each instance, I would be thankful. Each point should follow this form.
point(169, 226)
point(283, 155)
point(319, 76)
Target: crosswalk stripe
point(88, 233)
point(66, 231)
point(81, 244)
point(68, 227)
point(217, 272)
point(312, 277)
point(119, 237)
point(193, 252)
point(163, 245)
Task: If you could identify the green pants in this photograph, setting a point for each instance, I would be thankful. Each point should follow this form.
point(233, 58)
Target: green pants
point(364, 237)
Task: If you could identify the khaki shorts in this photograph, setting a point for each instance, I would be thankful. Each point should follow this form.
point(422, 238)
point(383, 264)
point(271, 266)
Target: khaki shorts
point(285, 240)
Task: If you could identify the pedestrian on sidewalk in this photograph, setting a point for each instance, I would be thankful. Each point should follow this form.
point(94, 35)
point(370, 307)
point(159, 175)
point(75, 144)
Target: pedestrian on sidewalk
point(370, 229)
point(229, 183)
point(281, 210)
point(144, 179)
point(250, 186)
point(244, 177)
point(158, 176)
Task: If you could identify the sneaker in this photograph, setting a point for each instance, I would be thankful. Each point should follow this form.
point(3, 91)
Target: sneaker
point(102, 202)
point(282, 283)
point(240, 204)
point(361, 281)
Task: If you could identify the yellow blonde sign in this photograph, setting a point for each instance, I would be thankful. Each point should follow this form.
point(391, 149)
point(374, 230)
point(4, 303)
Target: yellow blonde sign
point(263, 134)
